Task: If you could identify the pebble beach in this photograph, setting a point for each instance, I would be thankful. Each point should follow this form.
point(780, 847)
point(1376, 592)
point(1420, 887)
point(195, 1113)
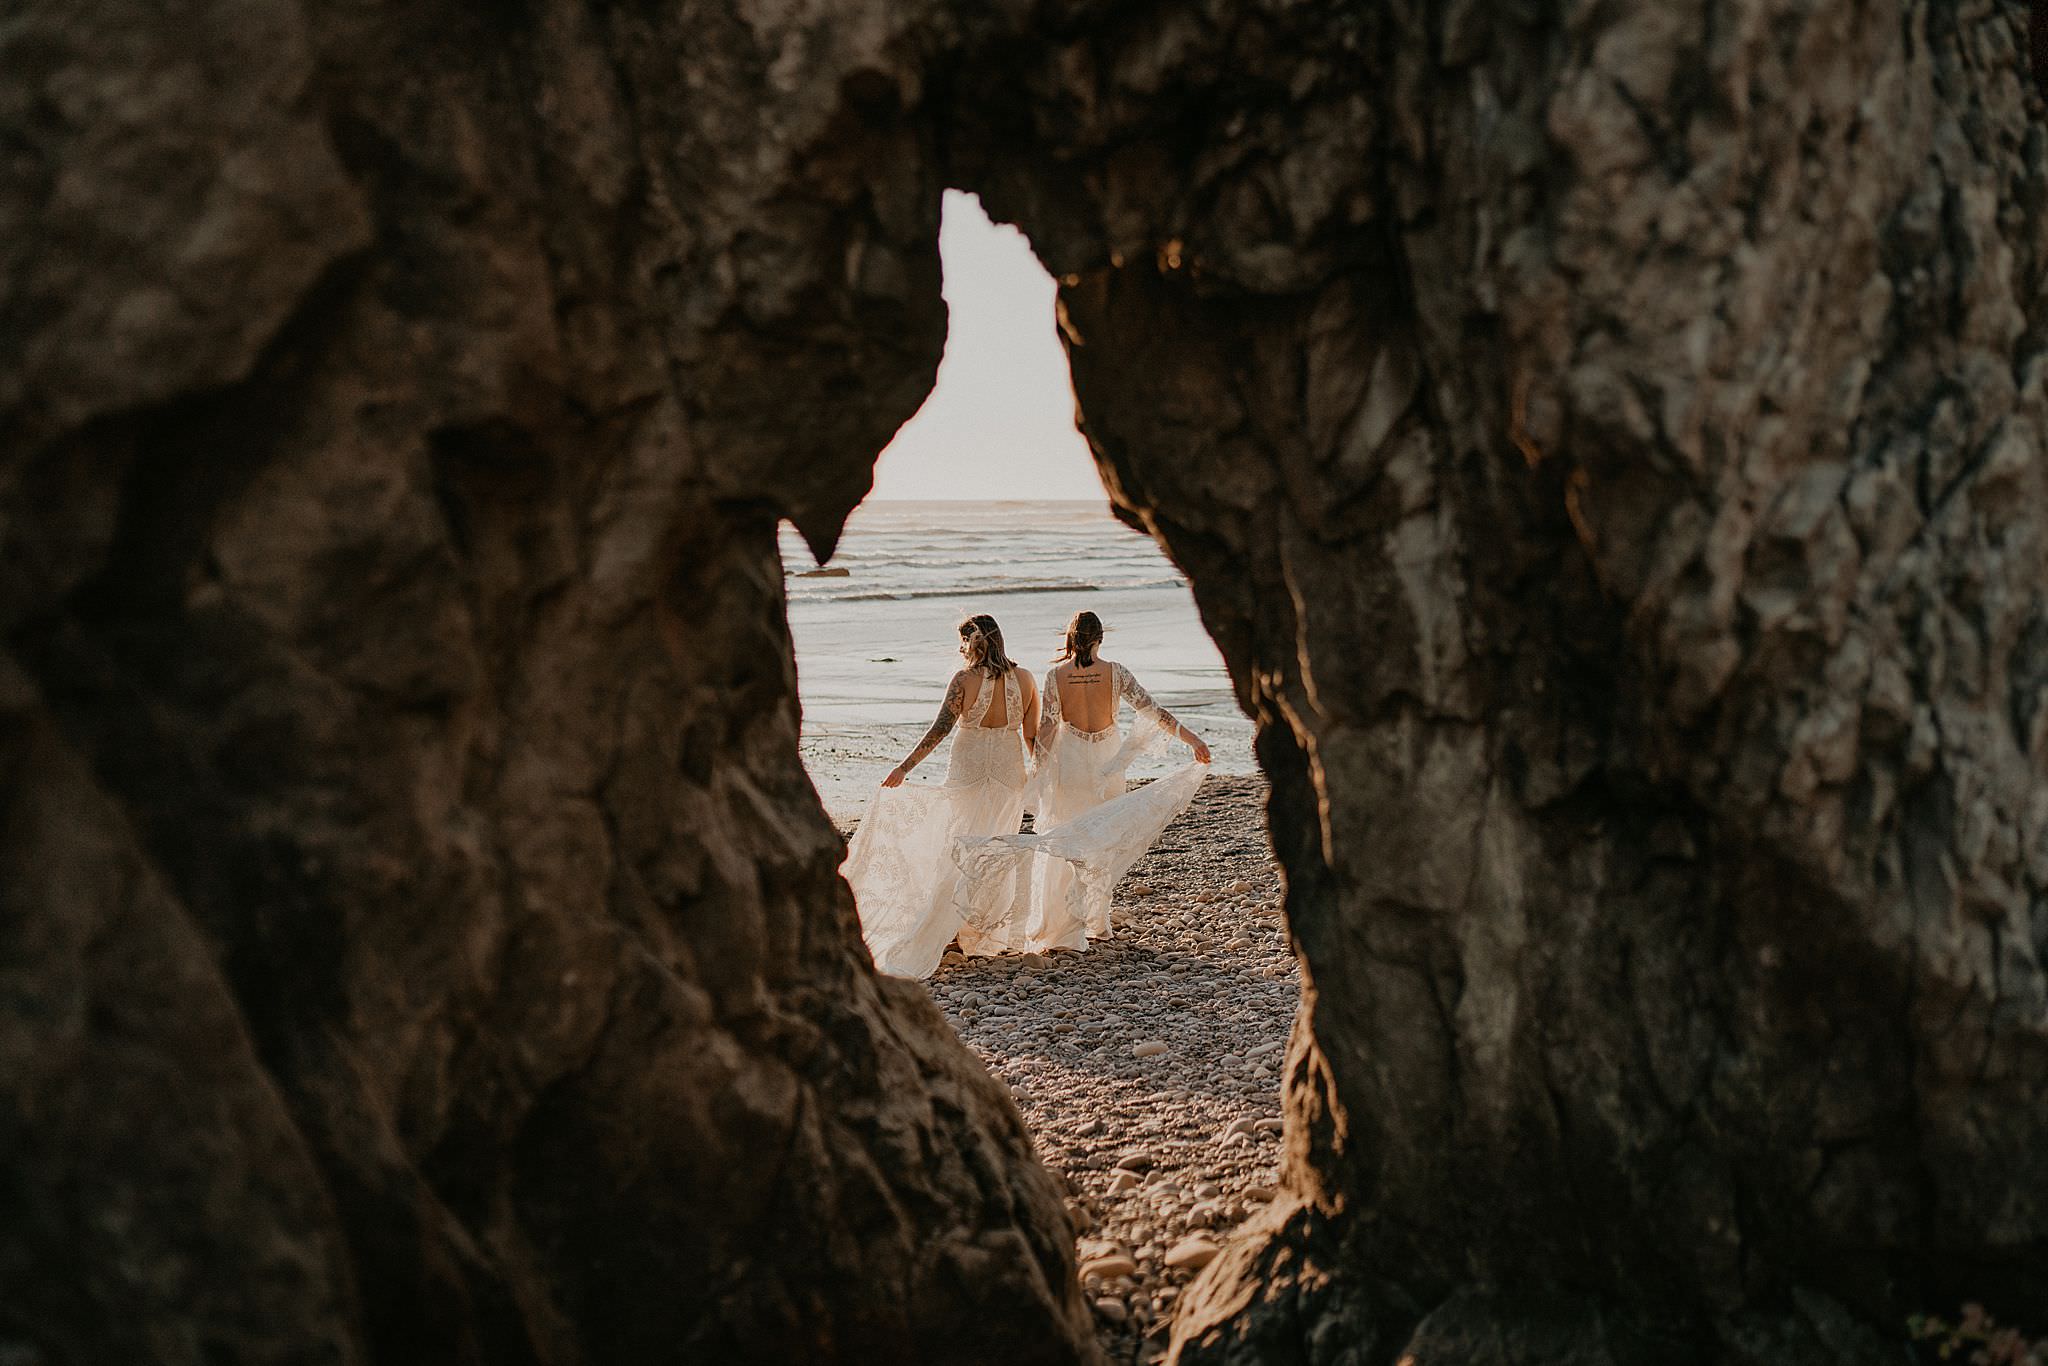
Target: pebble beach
point(1148, 1066)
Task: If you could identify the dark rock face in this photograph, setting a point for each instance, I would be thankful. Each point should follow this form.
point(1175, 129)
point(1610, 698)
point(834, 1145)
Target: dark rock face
point(421, 941)
point(1607, 444)
point(1629, 536)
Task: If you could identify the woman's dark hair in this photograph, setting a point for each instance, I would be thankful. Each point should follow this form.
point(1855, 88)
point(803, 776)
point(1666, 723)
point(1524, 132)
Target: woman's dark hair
point(984, 640)
point(1084, 637)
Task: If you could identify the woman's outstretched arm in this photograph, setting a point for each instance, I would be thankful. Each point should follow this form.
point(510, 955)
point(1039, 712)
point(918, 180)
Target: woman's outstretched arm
point(1141, 701)
point(941, 727)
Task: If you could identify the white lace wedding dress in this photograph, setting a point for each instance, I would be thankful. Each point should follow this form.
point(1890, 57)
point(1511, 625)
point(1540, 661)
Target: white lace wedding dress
point(1087, 830)
point(911, 892)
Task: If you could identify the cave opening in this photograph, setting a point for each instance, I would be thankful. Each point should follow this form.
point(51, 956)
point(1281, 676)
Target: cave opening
point(987, 499)
point(1146, 1066)
point(1609, 470)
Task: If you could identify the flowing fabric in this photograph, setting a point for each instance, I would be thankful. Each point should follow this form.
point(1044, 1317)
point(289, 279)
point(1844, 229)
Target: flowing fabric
point(1088, 830)
point(912, 896)
point(1071, 869)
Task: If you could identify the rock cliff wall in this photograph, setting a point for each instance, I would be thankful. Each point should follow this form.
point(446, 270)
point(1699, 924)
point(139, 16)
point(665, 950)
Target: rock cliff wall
point(1605, 440)
point(1609, 448)
point(421, 940)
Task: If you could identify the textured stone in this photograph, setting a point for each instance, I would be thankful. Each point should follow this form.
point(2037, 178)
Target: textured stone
point(1604, 440)
point(1109, 1266)
point(420, 940)
point(1666, 850)
point(1191, 1253)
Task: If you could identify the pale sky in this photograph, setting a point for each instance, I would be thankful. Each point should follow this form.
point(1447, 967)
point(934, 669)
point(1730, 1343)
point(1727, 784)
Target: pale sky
point(1000, 419)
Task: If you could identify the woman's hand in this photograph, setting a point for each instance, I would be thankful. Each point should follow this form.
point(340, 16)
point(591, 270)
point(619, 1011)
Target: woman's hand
point(895, 778)
point(1201, 749)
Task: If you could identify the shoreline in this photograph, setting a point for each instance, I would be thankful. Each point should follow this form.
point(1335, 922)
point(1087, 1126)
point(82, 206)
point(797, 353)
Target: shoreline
point(875, 632)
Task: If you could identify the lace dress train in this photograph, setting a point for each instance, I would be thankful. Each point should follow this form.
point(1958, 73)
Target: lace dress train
point(912, 895)
point(1087, 830)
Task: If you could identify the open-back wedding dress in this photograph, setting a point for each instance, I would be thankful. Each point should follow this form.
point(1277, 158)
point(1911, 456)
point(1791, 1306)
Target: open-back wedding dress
point(1087, 831)
point(913, 897)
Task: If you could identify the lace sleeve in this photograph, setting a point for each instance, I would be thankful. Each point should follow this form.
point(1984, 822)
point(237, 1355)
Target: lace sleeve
point(1141, 701)
point(1048, 715)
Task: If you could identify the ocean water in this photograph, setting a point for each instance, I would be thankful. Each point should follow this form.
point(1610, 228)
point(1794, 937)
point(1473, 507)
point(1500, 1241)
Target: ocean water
point(876, 644)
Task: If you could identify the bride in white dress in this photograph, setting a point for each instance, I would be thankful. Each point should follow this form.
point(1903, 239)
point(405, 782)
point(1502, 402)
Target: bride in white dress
point(912, 894)
point(1087, 830)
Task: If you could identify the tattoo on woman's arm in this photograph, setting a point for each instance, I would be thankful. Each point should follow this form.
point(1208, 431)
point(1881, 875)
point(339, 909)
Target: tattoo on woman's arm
point(949, 713)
